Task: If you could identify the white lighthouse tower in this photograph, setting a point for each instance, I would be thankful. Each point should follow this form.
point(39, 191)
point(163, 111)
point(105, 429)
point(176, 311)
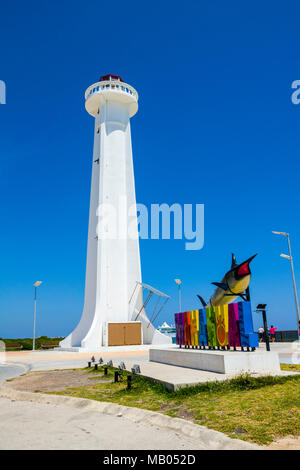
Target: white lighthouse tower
point(113, 295)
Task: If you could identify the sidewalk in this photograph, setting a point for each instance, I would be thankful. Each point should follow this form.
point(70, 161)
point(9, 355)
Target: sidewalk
point(60, 422)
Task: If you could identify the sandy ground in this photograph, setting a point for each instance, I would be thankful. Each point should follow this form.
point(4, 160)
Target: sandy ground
point(286, 443)
point(56, 380)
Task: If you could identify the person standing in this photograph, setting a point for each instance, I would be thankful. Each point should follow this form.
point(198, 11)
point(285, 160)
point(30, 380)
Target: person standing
point(272, 333)
point(261, 334)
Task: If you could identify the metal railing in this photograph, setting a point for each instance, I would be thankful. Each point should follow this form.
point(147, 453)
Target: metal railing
point(285, 336)
point(111, 85)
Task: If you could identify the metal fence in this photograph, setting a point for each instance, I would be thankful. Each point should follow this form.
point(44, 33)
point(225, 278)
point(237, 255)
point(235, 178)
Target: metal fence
point(286, 336)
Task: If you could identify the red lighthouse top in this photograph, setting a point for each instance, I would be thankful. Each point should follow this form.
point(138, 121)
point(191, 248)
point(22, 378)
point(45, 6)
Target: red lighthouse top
point(110, 76)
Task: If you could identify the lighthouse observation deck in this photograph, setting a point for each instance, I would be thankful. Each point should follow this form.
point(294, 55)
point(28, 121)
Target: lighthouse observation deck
point(110, 88)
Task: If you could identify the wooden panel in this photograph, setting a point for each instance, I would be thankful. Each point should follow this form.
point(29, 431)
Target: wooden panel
point(121, 334)
point(133, 334)
point(116, 334)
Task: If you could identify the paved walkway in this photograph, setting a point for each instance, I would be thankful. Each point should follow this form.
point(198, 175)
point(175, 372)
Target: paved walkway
point(172, 376)
point(56, 423)
point(39, 421)
point(61, 427)
point(19, 362)
point(8, 371)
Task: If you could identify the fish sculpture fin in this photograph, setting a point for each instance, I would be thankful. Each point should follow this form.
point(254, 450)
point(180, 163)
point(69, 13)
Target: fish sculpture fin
point(233, 261)
point(244, 297)
point(222, 285)
point(202, 300)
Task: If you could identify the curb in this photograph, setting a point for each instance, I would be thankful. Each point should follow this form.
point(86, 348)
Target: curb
point(210, 439)
point(24, 366)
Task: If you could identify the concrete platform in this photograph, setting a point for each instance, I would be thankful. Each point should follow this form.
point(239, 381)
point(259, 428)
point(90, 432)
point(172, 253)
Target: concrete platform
point(173, 377)
point(222, 362)
point(176, 377)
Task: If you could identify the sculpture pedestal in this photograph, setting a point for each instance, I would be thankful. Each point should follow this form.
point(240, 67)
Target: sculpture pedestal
point(223, 362)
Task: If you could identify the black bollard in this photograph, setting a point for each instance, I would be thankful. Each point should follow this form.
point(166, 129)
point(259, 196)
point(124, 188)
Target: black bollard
point(116, 378)
point(105, 370)
point(129, 381)
point(262, 308)
point(89, 364)
point(266, 335)
point(95, 366)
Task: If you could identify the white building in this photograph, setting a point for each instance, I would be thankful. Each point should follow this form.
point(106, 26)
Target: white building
point(113, 257)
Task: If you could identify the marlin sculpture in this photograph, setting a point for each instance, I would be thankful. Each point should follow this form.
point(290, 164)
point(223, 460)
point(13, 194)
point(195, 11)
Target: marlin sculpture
point(234, 284)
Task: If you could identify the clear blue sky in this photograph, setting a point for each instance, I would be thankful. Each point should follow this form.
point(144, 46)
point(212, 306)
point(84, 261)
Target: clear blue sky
point(215, 125)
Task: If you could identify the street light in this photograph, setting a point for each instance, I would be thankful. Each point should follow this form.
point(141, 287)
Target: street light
point(262, 308)
point(36, 285)
point(178, 282)
point(293, 275)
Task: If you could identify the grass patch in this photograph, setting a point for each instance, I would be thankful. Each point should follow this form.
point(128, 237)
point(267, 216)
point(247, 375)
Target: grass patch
point(253, 409)
point(290, 367)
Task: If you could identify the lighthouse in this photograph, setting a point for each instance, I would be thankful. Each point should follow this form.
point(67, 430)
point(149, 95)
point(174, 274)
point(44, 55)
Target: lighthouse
point(113, 312)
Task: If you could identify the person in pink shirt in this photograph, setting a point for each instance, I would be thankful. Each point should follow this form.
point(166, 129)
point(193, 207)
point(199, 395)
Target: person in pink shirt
point(272, 333)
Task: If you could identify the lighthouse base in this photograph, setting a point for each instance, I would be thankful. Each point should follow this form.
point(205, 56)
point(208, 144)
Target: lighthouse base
point(109, 334)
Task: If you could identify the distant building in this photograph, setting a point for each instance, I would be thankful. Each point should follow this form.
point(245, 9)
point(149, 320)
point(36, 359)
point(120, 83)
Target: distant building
point(168, 330)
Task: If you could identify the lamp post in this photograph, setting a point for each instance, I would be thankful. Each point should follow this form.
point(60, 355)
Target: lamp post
point(178, 282)
point(262, 308)
point(289, 256)
point(36, 285)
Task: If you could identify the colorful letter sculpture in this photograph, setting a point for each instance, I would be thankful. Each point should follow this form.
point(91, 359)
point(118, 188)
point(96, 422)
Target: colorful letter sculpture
point(234, 338)
point(221, 326)
point(211, 327)
point(187, 329)
point(248, 337)
point(203, 338)
point(194, 316)
point(179, 324)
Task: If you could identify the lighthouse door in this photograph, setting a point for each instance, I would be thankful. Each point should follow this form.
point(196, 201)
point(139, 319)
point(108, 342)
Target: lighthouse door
point(122, 334)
